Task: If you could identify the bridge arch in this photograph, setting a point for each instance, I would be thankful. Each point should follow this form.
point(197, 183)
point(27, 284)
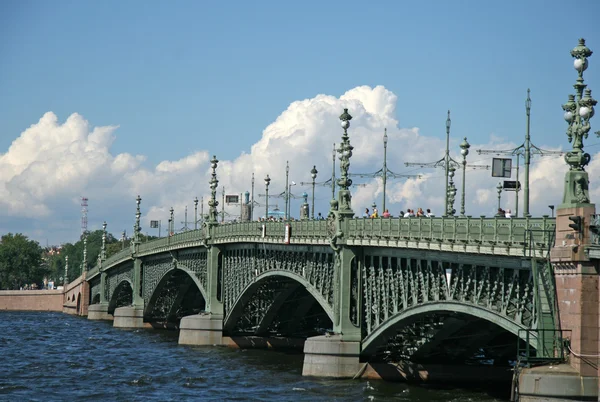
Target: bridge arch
point(389, 328)
point(178, 275)
point(122, 296)
point(237, 309)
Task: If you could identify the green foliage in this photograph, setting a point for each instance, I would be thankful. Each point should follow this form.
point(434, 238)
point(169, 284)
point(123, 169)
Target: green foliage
point(20, 262)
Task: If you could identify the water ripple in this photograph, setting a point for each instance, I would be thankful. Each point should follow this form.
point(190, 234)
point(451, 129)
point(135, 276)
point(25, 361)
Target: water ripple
point(55, 357)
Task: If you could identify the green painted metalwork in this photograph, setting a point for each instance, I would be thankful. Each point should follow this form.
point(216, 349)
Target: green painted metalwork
point(578, 111)
point(369, 276)
point(312, 267)
point(117, 275)
point(398, 281)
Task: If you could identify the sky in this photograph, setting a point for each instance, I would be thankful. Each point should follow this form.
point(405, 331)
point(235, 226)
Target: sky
point(111, 99)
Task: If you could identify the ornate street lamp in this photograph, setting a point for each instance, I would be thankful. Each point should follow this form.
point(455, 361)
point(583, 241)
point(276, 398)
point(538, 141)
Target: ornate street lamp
point(252, 200)
point(313, 175)
point(267, 181)
point(103, 249)
point(172, 221)
point(464, 151)
point(451, 191)
point(138, 214)
point(84, 262)
point(499, 189)
point(579, 109)
point(123, 236)
point(213, 203)
point(66, 271)
point(344, 182)
point(287, 191)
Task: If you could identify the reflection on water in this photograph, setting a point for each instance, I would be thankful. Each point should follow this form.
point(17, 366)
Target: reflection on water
point(51, 356)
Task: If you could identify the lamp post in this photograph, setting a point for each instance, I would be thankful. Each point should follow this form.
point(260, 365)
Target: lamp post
point(289, 211)
point(464, 151)
point(123, 236)
point(451, 191)
point(526, 149)
point(66, 271)
point(267, 181)
point(446, 162)
point(313, 175)
point(84, 263)
point(196, 213)
point(344, 182)
point(252, 200)
point(172, 222)
point(579, 109)
point(499, 189)
point(213, 203)
point(287, 194)
point(333, 173)
point(103, 249)
point(138, 214)
point(384, 172)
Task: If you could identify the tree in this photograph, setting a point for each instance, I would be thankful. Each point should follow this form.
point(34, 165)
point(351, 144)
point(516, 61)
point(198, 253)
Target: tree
point(20, 262)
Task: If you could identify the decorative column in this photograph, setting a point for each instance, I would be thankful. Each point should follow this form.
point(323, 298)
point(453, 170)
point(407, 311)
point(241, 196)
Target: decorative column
point(337, 355)
point(464, 151)
point(267, 182)
point(207, 328)
point(99, 311)
point(133, 316)
point(575, 273)
point(171, 222)
point(576, 276)
point(313, 175)
point(213, 304)
point(123, 238)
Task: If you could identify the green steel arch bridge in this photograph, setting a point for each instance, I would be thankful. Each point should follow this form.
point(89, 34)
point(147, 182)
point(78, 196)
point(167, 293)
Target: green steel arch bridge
point(437, 289)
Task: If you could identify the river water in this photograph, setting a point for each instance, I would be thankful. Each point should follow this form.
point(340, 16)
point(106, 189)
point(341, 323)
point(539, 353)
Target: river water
point(55, 357)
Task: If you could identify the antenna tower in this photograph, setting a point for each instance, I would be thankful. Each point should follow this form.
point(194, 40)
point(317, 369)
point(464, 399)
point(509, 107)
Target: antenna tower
point(84, 211)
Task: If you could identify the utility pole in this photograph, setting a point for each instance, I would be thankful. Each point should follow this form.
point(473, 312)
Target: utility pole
point(446, 162)
point(384, 172)
point(525, 150)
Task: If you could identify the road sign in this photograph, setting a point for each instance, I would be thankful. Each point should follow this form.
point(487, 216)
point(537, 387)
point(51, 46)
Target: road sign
point(511, 185)
point(501, 167)
point(153, 224)
point(232, 199)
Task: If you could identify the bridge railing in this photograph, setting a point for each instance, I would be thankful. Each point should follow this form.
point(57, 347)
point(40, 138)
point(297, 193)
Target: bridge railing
point(494, 231)
point(183, 237)
point(315, 229)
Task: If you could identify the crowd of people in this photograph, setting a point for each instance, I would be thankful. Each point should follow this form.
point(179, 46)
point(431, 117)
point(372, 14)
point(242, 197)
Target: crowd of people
point(409, 213)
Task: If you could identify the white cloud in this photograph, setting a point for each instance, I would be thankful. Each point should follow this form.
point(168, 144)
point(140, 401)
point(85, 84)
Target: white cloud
point(50, 165)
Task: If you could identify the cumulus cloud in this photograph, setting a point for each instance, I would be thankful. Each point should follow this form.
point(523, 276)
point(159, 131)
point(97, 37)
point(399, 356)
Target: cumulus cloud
point(51, 164)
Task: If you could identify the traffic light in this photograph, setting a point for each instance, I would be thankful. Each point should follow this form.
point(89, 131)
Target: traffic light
point(577, 224)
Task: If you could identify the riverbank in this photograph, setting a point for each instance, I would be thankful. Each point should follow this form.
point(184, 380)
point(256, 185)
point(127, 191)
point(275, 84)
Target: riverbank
point(31, 300)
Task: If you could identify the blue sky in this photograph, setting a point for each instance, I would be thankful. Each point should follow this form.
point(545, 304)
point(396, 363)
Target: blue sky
point(182, 76)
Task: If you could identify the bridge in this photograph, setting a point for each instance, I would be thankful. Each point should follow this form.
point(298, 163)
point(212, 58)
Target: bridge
point(416, 291)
